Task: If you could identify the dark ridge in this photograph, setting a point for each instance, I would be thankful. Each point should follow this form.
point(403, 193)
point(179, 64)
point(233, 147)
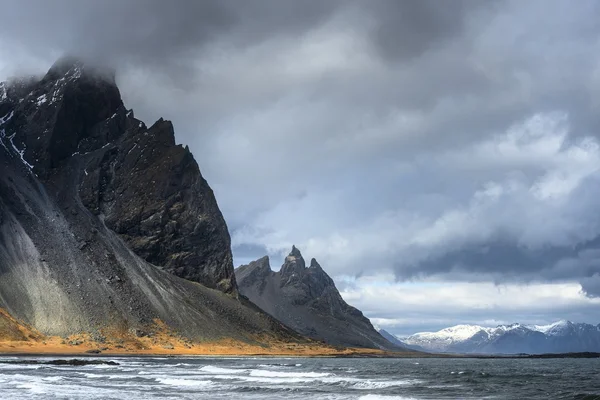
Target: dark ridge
point(307, 300)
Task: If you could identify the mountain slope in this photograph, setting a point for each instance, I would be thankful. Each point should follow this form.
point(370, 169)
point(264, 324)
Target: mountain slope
point(560, 337)
point(73, 129)
point(307, 300)
point(76, 230)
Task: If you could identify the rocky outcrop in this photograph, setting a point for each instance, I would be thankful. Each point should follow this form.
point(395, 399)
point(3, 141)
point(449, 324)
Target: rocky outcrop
point(90, 198)
point(72, 129)
point(307, 300)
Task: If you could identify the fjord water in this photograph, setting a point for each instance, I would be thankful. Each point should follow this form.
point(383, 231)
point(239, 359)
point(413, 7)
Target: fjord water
point(301, 378)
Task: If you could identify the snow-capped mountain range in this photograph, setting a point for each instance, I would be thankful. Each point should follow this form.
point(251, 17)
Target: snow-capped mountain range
point(559, 337)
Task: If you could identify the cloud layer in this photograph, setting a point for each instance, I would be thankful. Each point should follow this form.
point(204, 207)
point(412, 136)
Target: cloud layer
point(418, 139)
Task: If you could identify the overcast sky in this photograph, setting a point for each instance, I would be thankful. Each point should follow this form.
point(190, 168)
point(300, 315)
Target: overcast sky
point(441, 159)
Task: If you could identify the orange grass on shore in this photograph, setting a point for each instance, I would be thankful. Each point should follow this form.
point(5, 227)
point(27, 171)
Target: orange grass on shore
point(18, 338)
point(226, 347)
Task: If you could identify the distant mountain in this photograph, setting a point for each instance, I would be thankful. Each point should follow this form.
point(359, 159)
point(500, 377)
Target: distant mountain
point(307, 300)
point(559, 337)
point(393, 339)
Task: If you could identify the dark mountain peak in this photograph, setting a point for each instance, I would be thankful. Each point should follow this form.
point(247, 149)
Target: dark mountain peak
point(72, 129)
point(315, 264)
point(295, 252)
point(294, 264)
point(73, 67)
point(321, 280)
point(261, 265)
point(64, 113)
point(313, 280)
point(257, 272)
point(163, 132)
point(264, 261)
point(64, 65)
point(307, 300)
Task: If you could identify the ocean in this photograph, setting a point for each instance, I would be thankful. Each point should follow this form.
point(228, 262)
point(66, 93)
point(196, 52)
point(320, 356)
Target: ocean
point(301, 378)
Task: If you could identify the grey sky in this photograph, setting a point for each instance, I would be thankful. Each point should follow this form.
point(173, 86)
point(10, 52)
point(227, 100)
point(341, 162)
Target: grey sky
point(419, 141)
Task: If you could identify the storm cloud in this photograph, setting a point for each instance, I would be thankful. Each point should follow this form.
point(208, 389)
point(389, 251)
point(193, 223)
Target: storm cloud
point(418, 140)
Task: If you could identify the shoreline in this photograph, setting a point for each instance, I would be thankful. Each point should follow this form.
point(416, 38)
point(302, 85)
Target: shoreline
point(346, 353)
point(172, 347)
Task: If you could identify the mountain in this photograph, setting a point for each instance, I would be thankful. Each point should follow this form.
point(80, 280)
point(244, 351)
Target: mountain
point(107, 226)
point(72, 128)
point(394, 340)
point(560, 337)
point(307, 300)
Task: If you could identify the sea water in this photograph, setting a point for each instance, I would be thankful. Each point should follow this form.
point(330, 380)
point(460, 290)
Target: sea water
point(303, 378)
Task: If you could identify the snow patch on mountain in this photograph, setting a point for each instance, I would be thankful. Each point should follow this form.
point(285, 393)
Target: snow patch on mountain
point(561, 336)
point(3, 91)
point(554, 328)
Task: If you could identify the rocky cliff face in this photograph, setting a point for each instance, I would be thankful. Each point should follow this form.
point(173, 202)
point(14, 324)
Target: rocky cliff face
point(90, 199)
point(307, 300)
point(73, 130)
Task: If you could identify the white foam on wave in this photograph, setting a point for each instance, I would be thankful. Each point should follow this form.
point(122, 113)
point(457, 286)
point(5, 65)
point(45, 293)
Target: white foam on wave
point(368, 385)
point(32, 387)
point(185, 382)
point(104, 366)
point(269, 382)
point(93, 375)
point(53, 378)
point(278, 365)
point(20, 366)
point(19, 386)
point(146, 373)
point(282, 374)
point(125, 369)
point(183, 365)
point(210, 369)
point(383, 397)
point(34, 384)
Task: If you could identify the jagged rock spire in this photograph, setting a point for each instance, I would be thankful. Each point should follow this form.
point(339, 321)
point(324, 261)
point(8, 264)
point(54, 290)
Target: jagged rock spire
point(307, 300)
point(295, 252)
point(294, 263)
point(314, 264)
